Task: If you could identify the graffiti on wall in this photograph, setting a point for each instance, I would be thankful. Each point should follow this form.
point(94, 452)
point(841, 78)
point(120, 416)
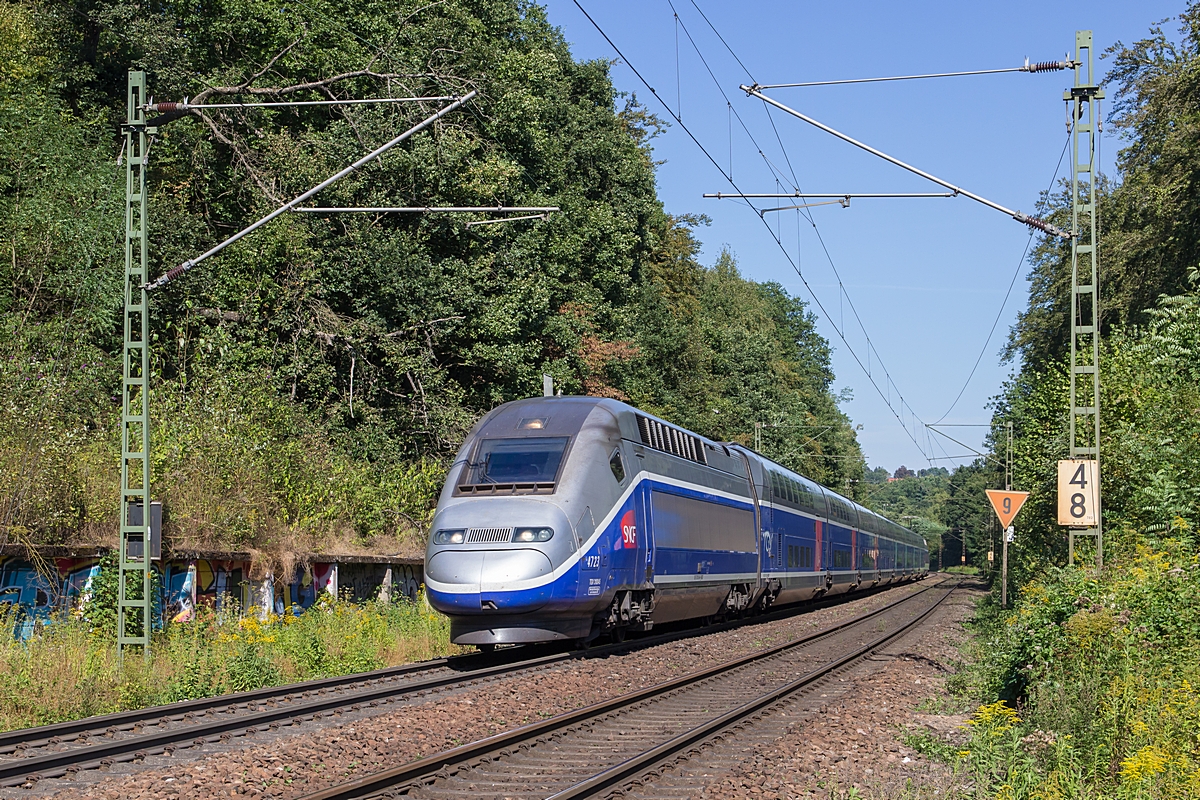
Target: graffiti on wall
point(363, 581)
point(33, 595)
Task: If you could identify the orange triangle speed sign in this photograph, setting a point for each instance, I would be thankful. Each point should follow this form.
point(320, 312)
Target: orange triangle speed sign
point(1006, 504)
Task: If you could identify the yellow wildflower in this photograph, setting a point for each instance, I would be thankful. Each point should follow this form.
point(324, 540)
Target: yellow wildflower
point(1145, 763)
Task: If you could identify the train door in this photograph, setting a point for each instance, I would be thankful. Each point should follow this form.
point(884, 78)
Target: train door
point(827, 553)
point(762, 530)
point(820, 557)
point(645, 535)
point(620, 559)
point(855, 562)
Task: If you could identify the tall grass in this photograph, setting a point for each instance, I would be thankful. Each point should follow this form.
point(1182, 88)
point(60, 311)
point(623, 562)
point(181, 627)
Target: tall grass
point(69, 669)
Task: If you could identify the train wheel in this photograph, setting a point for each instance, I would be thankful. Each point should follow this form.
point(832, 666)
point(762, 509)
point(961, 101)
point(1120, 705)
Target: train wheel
point(617, 635)
point(486, 648)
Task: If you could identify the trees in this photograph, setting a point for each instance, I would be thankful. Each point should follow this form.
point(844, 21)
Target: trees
point(1150, 248)
point(311, 383)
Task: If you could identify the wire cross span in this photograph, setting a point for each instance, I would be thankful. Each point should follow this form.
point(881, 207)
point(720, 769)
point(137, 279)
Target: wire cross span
point(175, 272)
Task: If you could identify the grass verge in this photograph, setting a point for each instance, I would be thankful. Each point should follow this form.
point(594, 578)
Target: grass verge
point(1087, 688)
point(69, 669)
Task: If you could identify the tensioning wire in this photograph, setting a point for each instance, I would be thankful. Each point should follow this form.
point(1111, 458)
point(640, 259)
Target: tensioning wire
point(766, 224)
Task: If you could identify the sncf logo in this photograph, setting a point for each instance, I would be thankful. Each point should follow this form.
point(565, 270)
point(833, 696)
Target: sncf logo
point(629, 530)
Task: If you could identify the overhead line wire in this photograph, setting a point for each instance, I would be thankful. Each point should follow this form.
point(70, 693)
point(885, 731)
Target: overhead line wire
point(805, 213)
point(775, 238)
point(988, 456)
point(808, 214)
point(1011, 284)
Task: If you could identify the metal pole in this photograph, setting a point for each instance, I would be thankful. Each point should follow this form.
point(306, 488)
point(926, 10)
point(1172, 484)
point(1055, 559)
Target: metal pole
point(167, 108)
point(286, 207)
point(1084, 427)
point(834, 195)
point(1008, 473)
point(1004, 572)
point(424, 209)
point(501, 220)
point(1032, 222)
point(133, 565)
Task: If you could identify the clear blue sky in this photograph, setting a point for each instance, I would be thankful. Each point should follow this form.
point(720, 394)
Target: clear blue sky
point(927, 276)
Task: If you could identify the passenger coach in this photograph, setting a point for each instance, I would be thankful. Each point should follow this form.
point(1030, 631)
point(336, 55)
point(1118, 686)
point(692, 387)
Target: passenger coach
point(572, 517)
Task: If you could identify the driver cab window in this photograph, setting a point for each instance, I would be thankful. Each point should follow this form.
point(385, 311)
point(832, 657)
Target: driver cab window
point(531, 460)
point(617, 466)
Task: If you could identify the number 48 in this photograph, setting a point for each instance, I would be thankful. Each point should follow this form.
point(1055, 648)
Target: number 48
point(1076, 496)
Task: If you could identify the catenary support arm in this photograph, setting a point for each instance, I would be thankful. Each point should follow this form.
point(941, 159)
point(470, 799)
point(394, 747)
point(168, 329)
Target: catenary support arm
point(171, 274)
point(1025, 219)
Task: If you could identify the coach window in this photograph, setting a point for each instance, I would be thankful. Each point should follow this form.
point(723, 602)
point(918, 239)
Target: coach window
point(617, 467)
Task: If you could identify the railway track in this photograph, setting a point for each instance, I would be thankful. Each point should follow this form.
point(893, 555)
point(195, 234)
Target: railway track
point(605, 747)
point(32, 754)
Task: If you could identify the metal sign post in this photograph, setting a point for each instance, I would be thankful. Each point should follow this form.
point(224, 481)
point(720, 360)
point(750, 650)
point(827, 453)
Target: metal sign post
point(1008, 532)
point(1084, 433)
point(1006, 504)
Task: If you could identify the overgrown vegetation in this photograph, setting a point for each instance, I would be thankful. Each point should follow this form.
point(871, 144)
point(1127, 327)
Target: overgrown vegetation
point(1088, 687)
point(71, 670)
point(310, 384)
point(949, 509)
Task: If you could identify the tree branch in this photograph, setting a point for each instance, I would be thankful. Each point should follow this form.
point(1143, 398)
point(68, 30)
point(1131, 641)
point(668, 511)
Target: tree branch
point(301, 87)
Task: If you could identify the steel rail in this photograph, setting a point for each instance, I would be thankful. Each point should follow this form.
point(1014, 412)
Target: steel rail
point(22, 769)
point(126, 720)
point(639, 765)
point(439, 763)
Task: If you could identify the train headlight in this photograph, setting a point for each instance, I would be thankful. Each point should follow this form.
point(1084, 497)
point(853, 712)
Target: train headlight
point(450, 537)
point(532, 534)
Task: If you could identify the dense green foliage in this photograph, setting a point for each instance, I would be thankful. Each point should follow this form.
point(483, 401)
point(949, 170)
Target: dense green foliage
point(949, 509)
point(1097, 669)
point(310, 383)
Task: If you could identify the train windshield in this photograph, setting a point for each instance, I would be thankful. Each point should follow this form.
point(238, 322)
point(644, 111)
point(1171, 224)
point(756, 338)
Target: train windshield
point(533, 460)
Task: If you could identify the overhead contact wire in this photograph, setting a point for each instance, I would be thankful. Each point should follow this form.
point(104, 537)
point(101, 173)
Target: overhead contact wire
point(1011, 284)
point(806, 213)
point(767, 225)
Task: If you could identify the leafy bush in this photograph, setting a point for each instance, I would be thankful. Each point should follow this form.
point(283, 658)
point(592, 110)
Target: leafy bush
point(1105, 671)
point(309, 387)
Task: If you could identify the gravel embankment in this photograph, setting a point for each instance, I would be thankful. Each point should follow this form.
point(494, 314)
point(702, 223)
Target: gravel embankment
point(300, 759)
point(850, 744)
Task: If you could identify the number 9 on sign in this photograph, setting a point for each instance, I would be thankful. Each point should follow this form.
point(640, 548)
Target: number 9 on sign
point(1078, 485)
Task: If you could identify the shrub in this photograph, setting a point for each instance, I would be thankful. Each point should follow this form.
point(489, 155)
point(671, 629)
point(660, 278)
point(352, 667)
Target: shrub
point(1104, 671)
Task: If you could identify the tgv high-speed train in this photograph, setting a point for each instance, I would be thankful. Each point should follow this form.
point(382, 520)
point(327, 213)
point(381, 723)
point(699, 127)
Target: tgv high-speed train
point(573, 517)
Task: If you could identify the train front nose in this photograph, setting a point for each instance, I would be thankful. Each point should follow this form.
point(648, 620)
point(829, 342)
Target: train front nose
point(505, 567)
